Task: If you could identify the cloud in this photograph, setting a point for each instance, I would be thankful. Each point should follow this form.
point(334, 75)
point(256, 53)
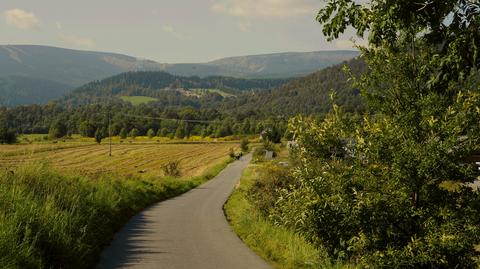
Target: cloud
point(265, 9)
point(21, 19)
point(78, 41)
point(169, 29)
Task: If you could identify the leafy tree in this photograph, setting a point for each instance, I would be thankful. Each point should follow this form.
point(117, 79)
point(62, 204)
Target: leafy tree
point(374, 189)
point(180, 132)
point(133, 133)
point(87, 129)
point(123, 133)
point(150, 133)
point(244, 144)
point(162, 132)
point(98, 136)
point(7, 135)
point(57, 130)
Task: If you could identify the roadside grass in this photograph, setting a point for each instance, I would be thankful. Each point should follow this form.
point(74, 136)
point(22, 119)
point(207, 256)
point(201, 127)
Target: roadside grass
point(52, 220)
point(281, 247)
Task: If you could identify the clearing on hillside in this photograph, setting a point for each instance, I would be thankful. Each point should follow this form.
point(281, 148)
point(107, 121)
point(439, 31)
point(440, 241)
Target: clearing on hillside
point(137, 100)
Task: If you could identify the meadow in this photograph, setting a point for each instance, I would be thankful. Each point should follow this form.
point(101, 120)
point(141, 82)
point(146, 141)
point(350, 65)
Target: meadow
point(61, 202)
point(128, 159)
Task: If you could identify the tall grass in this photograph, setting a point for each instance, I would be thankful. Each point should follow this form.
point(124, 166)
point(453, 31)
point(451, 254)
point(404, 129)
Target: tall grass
point(281, 247)
point(52, 220)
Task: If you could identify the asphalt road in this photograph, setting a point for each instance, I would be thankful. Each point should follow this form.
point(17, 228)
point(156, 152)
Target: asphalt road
point(189, 231)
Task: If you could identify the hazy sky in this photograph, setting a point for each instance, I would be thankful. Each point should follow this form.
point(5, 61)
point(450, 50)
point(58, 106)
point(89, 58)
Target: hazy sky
point(168, 30)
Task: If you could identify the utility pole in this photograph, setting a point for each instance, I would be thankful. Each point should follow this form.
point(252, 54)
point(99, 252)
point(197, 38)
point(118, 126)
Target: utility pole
point(110, 123)
point(110, 130)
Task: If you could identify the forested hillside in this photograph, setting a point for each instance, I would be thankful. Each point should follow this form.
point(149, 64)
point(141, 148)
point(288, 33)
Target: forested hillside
point(21, 90)
point(170, 90)
point(307, 95)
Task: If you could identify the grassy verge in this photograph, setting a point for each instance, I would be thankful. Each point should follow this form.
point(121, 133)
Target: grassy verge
point(52, 220)
point(279, 246)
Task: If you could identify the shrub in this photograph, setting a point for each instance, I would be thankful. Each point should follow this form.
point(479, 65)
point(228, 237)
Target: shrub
point(98, 136)
point(150, 133)
point(123, 133)
point(133, 133)
point(244, 144)
point(172, 169)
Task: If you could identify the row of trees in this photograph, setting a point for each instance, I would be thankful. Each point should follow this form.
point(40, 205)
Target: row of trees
point(126, 120)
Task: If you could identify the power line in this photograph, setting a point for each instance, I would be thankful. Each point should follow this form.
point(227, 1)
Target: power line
point(159, 118)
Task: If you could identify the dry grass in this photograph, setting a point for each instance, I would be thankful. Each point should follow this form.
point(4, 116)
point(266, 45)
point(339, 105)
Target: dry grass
point(144, 159)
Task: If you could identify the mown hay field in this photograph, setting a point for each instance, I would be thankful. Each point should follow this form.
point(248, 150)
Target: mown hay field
point(126, 160)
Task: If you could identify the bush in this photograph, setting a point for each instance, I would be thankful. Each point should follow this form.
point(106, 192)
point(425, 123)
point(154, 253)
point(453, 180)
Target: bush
point(150, 133)
point(123, 133)
point(244, 144)
point(172, 169)
point(133, 133)
point(267, 188)
point(98, 136)
point(7, 136)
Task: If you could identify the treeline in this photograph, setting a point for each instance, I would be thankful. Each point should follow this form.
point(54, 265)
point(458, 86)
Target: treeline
point(128, 120)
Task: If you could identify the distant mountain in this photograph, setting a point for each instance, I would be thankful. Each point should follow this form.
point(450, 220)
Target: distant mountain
point(59, 71)
point(278, 65)
point(70, 67)
point(16, 90)
point(170, 90)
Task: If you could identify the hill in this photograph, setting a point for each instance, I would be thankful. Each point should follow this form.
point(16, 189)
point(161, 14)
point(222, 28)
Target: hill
point(21, 90)
point(169, 90)
point(65, 69)
point(306, 95)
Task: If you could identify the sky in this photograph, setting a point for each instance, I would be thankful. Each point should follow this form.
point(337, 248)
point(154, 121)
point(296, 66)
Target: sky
point(168, 31)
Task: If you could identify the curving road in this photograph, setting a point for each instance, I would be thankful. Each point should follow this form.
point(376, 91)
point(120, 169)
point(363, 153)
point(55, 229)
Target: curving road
point(187, 232)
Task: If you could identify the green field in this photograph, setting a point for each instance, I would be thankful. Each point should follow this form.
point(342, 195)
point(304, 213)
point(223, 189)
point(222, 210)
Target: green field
point(137, 100)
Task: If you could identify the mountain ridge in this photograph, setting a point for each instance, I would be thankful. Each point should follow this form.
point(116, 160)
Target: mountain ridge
point(74, 68)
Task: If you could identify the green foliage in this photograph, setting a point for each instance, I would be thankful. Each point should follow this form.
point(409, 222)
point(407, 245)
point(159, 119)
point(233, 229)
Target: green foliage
point(281, 246)
point(181, 133)
point(162, 132)
point(98, 136)
point(7, 135)
point(133, 133)
point(57, 130)
point(123, 133)
point(150, 133)
point(87, 129)
point(244, 144)
point(369, 189)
